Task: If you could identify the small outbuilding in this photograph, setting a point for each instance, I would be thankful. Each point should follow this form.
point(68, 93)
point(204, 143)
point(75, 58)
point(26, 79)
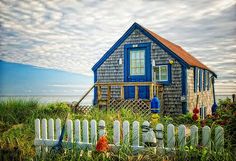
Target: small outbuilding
point(142, 64)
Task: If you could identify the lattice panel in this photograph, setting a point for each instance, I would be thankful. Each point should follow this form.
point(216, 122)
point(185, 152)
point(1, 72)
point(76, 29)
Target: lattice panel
point(83, 109)
point(137, 106)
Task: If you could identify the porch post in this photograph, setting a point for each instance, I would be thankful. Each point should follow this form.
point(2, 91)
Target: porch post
point(151, 91)
point(122, 92)
point(136, 92)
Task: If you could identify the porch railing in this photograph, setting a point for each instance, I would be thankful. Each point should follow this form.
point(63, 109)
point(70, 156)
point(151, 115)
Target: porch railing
point(153, 89)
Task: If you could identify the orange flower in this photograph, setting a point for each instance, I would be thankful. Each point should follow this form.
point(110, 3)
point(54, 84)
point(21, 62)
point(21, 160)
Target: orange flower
point(102, 144)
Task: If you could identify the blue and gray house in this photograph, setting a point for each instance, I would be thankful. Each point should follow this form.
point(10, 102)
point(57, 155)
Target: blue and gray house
point(142, 64)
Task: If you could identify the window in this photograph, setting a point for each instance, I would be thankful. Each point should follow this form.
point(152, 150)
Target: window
point(208, 80)
point(161, 73)
point(202, 112)
point(204, 80)
point(137, 62)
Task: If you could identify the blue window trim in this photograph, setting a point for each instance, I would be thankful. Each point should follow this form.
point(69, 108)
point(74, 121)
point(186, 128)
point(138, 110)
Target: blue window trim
point(204, 80)
point(200, 80)
point(95, 88)
point(184, 88)
point(208, 80)
point(148, 69)
point(195, 79)
point(169, 76)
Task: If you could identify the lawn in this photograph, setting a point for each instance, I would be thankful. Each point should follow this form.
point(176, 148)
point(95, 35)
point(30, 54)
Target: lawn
point(17, 125)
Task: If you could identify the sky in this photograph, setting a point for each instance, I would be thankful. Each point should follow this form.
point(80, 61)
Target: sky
point(21, 80)
point(73, 35)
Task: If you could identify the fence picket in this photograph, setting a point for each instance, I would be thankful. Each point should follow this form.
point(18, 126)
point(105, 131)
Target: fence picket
point(37, 136)
point(135, 136)
point(69, 125)
point(102, 128)
point(77, 131)
point(116, 133)
point(58, 128)
point(219, 138)
point(51, 129)
point(85, 132)
point(44, 134)
point(194, 135)
point(182, 136)
point(171, 136)
point(93, 131)
point(145, 129)
point(206, 136)
point(126, 132)
point(159, 135)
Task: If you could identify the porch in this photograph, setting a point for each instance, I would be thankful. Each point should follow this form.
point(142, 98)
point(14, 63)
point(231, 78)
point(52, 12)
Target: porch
point(103, 96)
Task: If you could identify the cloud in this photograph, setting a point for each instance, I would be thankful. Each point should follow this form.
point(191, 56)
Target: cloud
point(73, 35)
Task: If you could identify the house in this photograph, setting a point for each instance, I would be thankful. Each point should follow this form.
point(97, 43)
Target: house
point(141, 64)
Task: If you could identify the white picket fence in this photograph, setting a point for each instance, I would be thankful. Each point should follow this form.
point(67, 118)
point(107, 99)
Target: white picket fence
point(44, 135)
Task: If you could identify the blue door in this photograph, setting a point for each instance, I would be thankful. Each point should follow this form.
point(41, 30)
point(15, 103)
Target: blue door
point(137, 68)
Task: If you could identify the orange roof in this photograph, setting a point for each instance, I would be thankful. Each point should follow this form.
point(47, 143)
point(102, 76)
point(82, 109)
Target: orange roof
point(188, 58)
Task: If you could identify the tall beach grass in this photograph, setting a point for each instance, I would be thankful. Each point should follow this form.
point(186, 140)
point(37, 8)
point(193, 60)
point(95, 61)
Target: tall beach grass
point(17, 121)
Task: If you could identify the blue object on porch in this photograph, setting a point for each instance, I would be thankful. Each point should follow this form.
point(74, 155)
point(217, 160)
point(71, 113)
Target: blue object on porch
point(155, 105)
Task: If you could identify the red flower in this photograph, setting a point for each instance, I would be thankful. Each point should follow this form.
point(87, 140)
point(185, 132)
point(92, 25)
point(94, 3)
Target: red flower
point(102, 144)
point(195, 110)
point(195, 117)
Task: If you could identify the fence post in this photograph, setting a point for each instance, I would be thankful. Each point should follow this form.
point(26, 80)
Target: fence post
point(93, 132)
point(159, 136)
point(116, 133)
point(182, 136)
point(171, 136)
point(51, 129)
point(194, 135)
point(77, 131)
point(102, 128)
point(126, 132)
point(206, 136)
point(69, 124)
point(44, 135)
point(219, 138)
point(135, 136)
point(58, 128)
point(37, 136)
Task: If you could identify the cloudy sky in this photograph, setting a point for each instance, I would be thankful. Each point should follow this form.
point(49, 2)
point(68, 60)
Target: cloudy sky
point(72, 35)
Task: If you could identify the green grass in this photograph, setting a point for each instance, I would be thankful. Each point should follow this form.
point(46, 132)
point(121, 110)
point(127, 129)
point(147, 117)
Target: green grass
point(17, 121)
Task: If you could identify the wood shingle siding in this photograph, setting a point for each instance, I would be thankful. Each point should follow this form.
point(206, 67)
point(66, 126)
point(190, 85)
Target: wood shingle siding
point(111, 71)
point(180, 86)
point(205, 97)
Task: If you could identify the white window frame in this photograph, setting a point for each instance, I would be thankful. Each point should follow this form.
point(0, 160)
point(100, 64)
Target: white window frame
point(137, 74)
point(167, 74)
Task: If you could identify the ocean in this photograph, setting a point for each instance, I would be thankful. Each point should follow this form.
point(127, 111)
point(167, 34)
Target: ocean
point(52, 98)
point(70, 98)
